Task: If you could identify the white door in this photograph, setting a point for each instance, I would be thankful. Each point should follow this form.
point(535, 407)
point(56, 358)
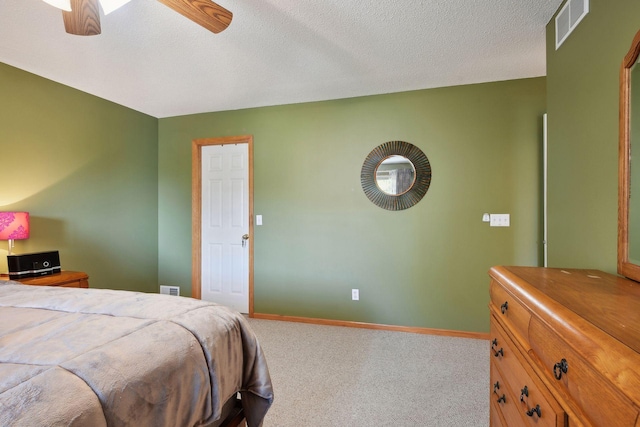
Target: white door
point(225, 225)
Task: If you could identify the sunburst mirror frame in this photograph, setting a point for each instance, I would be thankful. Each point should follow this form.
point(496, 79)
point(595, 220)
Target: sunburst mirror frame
point(410, 197)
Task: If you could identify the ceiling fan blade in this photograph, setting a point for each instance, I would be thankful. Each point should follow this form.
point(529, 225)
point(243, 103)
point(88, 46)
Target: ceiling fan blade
point(206, 13)
point(84, 18)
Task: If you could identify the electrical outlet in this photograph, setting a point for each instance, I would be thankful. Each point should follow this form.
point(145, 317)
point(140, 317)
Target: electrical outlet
point(355, 294)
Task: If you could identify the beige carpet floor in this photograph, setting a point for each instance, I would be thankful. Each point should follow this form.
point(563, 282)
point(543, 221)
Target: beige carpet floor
point(336, 376)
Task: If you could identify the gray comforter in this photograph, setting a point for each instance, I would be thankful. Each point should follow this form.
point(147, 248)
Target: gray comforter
point(94, 357)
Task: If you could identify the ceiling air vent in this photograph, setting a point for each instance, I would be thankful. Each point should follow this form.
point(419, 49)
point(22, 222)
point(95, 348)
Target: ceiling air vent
point(170, 290)
point(568, 19)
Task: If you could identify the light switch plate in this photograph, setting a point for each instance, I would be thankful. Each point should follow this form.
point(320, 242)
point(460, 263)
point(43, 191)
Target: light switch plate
point(500, 220)
point(258, 219)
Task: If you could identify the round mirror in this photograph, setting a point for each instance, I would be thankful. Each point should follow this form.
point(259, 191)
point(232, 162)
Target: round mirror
point(396, 175)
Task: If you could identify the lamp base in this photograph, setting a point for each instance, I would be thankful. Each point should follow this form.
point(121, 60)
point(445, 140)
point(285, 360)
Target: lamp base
point(4, 268)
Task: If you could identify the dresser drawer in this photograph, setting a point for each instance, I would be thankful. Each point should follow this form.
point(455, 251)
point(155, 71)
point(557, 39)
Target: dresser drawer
point(534, 402)
point(597, 398)
point(504, 407)
point(510, 310)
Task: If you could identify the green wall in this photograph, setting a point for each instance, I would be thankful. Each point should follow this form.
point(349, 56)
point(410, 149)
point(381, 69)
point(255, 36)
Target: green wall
point(86, 170)
point(110, 188)
point(582, 103)
point(425, 266)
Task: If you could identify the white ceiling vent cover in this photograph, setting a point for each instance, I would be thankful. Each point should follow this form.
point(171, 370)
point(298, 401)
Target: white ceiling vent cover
point(568, 19)
point(170, 290)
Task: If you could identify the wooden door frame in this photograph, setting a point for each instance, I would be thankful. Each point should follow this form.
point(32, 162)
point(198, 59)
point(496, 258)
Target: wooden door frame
point(196, 210)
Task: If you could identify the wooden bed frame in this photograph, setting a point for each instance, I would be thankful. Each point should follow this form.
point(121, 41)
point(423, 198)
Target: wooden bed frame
point(235, 416)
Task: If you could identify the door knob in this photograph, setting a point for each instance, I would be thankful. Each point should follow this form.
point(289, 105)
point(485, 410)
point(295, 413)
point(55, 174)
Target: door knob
point(244, 240)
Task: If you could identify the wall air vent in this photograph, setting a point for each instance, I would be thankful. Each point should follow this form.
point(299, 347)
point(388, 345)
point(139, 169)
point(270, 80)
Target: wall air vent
point(568, 19)
point(170, 290)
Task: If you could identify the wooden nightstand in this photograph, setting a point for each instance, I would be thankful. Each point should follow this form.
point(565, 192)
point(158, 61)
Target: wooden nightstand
point(66, 279)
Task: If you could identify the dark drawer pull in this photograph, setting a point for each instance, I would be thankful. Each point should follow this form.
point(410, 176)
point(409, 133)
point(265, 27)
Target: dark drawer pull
point(504, 307)
point(496, 387)
point(494, 343)
point(524, 392)
point(535, 410)
point(503, 398)
point(560, 368)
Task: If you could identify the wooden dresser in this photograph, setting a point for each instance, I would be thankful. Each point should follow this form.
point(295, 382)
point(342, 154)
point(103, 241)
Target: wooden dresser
point(66, 279)
point(565, 348)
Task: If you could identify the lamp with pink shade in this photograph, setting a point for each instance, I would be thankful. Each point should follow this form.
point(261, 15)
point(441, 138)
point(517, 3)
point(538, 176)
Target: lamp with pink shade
point(14, 226)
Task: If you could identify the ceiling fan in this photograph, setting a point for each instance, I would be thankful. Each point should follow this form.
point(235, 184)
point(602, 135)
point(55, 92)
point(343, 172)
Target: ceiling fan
point(82, 17)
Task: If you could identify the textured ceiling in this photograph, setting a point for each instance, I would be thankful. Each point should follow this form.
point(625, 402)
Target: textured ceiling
point(153, 60)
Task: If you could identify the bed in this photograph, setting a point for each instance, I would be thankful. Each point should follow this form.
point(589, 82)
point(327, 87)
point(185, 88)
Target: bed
point(97, 357)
